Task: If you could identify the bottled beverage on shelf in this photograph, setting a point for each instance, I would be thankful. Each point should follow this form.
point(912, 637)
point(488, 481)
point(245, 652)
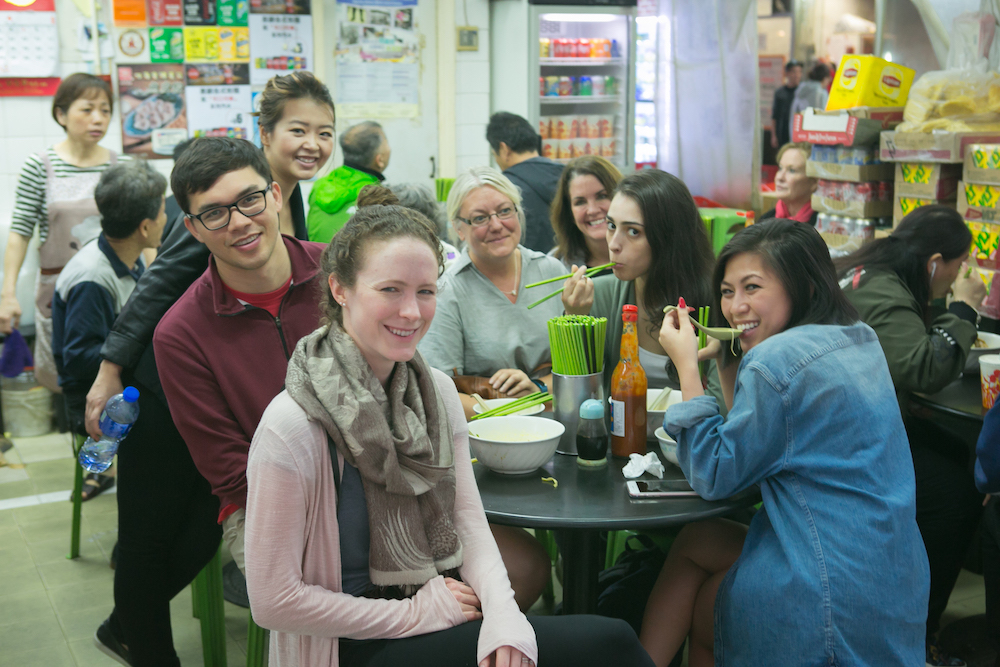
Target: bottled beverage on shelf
point(628, 393)
point(583, 48)
point(616, 51)
point(119, 415)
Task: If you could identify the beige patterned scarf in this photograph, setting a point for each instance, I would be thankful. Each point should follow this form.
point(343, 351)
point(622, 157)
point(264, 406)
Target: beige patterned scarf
point(401, 443)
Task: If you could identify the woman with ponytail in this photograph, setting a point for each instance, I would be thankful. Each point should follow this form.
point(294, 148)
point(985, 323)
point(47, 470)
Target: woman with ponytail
point(893, 282)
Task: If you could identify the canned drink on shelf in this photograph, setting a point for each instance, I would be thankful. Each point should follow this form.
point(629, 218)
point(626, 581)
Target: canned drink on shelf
point(560, 48)
point(565, 86)
point(606, 126)
point(572, 45)
point(551, 86)
point(600, 48)
point(586, 86)
point(541, 85)
point(597, 85)
point(583, 48)
point(609, 146)
point(844, 155)
point(885, 190)
point(610, 85)
point(866, 192)
point(589, 127)
point(544, 47)
point(549, 148)
point(591, 146)
point(563, 149)
point(577, 147)
point(545, 127)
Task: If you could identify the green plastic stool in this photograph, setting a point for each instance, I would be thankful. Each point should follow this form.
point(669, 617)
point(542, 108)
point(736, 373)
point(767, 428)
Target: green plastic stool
point(74, 536)
point(207, 603)
point(256, 645)
point(548, 542)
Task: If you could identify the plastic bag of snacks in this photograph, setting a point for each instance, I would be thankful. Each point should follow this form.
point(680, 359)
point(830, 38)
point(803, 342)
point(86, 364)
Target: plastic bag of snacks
point(955, 100)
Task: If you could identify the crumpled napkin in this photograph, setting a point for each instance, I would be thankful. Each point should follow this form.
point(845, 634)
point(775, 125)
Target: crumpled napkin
point(638, 464)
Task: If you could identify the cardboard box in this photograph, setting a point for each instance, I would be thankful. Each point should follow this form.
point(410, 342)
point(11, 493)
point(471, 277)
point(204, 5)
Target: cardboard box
point(931, 180)
point(853, 209)
point(979, 202)
point(982, 164)
point(930, 146)
point(865, 80)
point(985, 241)
point(842, 244)
point(903, 205)
point(849, 172)
point(835, 128)
point(991, 304)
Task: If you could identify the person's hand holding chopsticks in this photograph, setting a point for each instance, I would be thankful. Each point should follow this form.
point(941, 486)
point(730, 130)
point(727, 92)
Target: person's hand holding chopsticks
point(578, 292)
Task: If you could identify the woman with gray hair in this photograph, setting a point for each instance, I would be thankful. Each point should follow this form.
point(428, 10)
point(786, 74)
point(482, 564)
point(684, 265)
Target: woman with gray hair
point(420, 198)
point(483, 332)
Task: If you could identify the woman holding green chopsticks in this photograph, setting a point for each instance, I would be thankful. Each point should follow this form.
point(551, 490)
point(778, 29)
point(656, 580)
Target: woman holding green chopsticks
point(661, 252)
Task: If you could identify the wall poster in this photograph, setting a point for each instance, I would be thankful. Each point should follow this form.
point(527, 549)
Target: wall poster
point(29, 39)
point(378, 59)
point(154, 118)
point(279, 45)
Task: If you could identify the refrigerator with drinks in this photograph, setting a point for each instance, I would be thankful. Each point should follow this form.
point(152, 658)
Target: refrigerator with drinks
point(576, 79)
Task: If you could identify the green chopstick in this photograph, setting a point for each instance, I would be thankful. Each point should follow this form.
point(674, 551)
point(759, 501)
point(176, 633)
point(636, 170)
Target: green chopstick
point(588, 272)
point(529, 401)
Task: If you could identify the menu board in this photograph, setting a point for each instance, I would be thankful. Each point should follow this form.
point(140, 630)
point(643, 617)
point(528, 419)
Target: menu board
point(165, 12)
point(279, 6)
point(279, 45)
point(154, 118)
point(217, 108)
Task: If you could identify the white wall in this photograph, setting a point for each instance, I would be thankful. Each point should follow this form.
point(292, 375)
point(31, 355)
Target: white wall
point(472, 87)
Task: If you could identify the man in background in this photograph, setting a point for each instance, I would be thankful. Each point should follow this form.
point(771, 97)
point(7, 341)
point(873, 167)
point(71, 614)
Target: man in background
point(781, 109)
point(332, 200)
point(514, 144)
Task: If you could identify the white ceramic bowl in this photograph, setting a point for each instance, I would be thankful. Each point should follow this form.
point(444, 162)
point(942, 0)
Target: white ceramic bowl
point(667, 445)
point(654, 418)
point(514, 445)
point(992, 347)
point(497, 402)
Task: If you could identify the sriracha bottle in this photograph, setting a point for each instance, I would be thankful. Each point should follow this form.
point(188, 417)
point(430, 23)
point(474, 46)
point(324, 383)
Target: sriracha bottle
point(628, 393)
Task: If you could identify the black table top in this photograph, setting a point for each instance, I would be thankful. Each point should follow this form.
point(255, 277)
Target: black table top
point(962, 398)
point(587, 498)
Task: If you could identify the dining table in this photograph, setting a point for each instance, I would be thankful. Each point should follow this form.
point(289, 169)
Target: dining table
point(957, 409)
point(583, 503)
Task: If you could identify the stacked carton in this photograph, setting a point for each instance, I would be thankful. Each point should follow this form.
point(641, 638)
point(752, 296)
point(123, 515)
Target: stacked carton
point(923, 183)
point(854, 193)
point(979, 204)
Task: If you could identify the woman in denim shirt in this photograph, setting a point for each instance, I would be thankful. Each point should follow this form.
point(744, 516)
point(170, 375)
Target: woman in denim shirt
point(832, 570)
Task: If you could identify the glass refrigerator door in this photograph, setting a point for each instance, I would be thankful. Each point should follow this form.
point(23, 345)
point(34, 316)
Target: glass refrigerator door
point(645, 92)
point(585, 93)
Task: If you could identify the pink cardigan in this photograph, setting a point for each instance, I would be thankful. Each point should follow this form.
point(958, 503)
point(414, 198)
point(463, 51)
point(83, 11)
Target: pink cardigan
point(293, 551)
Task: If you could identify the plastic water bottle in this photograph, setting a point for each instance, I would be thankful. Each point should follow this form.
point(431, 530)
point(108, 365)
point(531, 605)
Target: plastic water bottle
point(119, 415)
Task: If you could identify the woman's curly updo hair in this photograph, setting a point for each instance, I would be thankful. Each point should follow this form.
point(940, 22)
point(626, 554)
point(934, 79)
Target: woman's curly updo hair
point(379, 218)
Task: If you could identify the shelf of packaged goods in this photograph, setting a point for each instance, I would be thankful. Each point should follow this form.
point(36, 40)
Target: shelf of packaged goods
point(582, 62)
point(577, 99)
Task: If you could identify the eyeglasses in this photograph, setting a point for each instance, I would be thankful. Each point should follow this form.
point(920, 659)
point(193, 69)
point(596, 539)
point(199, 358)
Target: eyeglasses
point(504, 214)
point(249, 205)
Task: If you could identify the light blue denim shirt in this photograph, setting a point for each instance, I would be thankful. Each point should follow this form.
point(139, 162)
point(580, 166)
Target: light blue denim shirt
point(833, 570)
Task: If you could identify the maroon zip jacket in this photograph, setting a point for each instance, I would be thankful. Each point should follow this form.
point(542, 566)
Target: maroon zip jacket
point(221, 363)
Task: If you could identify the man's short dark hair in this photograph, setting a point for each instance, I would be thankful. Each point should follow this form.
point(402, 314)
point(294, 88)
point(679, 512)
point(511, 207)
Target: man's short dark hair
point(819, 72)
point(361, 143)
point(792, 64)
point(512, 130)
point(127, 194)
point(207, 160)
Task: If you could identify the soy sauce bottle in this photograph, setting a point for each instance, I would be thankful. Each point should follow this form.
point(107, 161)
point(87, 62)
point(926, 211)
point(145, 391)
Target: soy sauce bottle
point(628, 393)
point(591, 435)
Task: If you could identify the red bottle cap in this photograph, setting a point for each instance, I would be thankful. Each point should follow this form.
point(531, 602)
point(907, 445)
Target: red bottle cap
point(630, 313)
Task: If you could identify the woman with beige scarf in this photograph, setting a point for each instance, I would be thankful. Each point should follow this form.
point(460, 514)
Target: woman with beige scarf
point(366, 539)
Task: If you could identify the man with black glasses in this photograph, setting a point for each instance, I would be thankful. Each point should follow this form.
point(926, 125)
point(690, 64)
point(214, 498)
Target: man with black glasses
point(222, 350)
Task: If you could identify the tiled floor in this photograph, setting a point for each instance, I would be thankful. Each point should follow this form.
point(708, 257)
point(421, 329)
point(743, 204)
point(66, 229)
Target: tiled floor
point(51, 606)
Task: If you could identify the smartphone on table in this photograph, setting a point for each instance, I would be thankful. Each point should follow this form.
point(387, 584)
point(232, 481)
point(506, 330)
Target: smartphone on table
point(660, 488)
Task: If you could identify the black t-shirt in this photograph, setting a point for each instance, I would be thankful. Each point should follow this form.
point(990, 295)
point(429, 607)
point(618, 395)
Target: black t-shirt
point(780, 112)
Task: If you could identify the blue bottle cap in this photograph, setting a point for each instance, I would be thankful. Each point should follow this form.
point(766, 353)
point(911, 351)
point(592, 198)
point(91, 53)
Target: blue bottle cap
point(591, 409)
point(131, 394)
